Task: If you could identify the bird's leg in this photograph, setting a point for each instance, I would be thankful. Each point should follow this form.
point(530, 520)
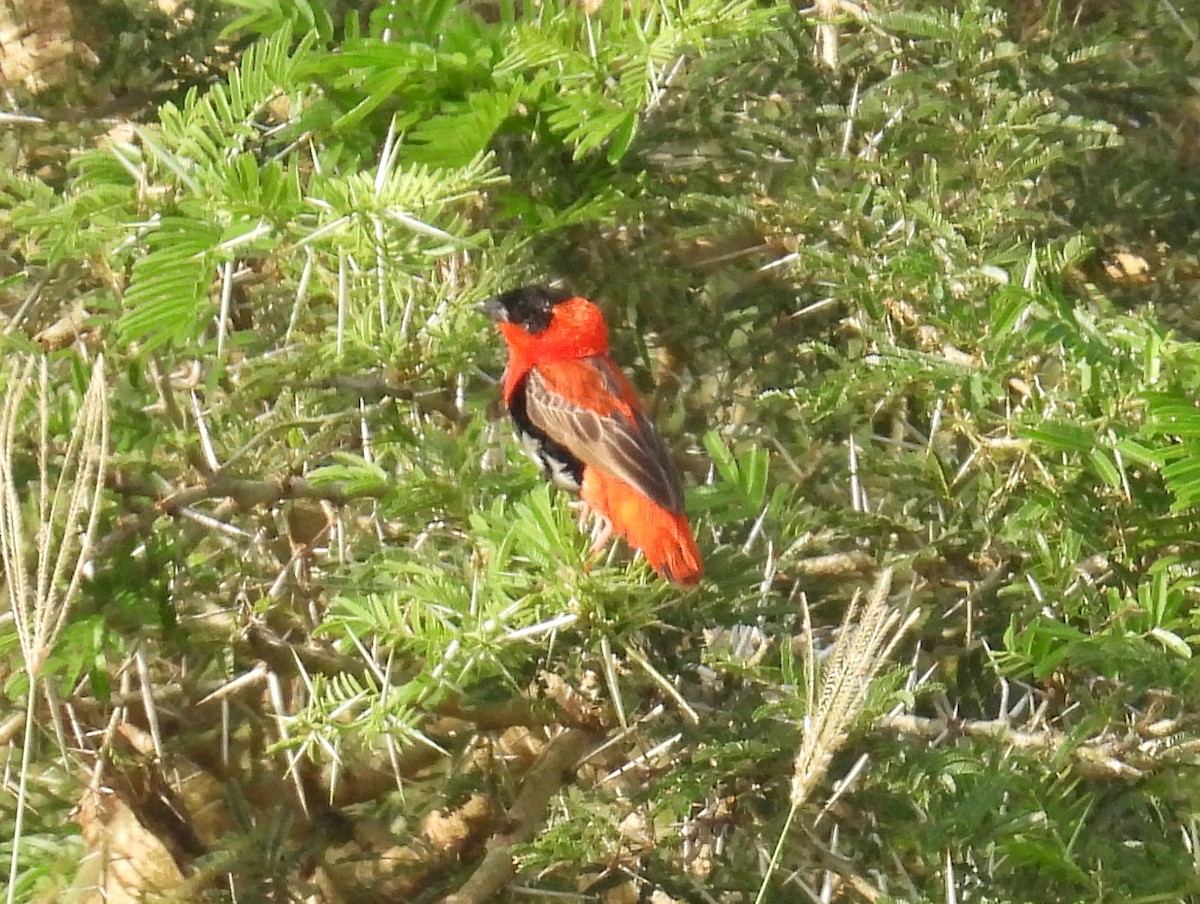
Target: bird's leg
point(584, 510)
point(602, 532)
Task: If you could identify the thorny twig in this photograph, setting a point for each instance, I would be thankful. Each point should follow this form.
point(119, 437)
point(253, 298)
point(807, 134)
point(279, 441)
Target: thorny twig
point(1131, 757)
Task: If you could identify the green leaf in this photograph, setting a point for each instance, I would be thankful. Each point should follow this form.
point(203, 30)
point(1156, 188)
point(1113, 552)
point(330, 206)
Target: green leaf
point(356, 475)
point(167, 299)
point(1105, 467)
point(1008, 304)
point(1139, 454)
point(1172, 642)
point(1060, 436)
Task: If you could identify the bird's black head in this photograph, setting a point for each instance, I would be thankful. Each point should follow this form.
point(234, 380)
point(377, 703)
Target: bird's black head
point(529, 307)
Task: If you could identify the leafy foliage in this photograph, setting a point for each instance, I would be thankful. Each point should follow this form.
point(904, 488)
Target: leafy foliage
point(878, 276)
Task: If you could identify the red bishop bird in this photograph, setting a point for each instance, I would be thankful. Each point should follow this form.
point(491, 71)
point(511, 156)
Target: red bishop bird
point(580, 419)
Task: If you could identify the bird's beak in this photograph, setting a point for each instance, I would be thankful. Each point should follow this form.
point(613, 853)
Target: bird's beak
point(495, 309)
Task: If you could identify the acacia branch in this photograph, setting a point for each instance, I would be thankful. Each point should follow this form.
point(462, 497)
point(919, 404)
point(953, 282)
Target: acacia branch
point(375, 388)
point(1131, 757)
point(167, 499)
point(546, 777)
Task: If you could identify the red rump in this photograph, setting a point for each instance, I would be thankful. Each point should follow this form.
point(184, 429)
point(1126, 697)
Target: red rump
point(665, 538)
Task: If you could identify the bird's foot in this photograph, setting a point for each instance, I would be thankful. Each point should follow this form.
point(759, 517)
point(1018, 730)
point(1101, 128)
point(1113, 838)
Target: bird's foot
point(583, 509)
point(602, 532)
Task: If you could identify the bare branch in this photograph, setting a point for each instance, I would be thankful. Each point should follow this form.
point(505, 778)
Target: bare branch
point(1131, 757)
point(545, 779)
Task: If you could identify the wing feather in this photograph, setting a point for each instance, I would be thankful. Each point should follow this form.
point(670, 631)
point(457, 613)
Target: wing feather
point(587, 406)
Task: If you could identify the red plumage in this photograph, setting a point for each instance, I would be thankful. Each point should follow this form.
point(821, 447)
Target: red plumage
point(581, 419)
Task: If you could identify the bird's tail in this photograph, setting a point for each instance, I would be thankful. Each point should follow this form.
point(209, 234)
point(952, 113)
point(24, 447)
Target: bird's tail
point(670, 548)
point(663, 537)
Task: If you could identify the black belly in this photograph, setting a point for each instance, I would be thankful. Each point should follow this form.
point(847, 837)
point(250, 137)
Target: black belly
point(563, 468)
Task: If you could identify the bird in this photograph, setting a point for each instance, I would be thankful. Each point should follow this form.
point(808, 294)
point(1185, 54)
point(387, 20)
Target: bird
point(580, 419)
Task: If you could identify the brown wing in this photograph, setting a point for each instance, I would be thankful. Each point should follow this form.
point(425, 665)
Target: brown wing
point(589, 407)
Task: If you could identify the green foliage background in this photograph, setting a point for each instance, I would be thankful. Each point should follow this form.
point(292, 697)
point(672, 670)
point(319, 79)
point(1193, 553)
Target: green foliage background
point(911, 285)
